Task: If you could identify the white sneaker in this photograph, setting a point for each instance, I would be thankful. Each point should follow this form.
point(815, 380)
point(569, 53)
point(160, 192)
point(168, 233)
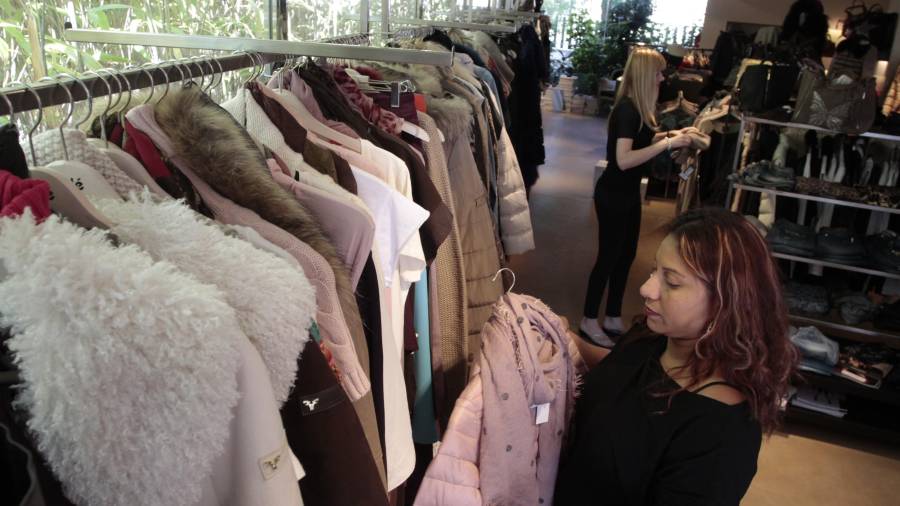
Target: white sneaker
point(591, 329)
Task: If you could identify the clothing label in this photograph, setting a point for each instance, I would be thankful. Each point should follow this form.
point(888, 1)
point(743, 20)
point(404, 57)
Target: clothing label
point(270, 464)
point(542, 413)
point(686, 173)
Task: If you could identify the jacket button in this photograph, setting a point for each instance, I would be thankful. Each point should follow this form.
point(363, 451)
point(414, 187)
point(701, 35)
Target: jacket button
point(520, 320)
point(504, 396)
point(524, 306)
point(509, 448)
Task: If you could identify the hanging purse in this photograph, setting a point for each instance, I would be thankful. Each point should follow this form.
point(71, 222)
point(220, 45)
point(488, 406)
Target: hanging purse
point(846, 107)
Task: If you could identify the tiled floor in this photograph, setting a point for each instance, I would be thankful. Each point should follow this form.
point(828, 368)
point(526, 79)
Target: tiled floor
point(798, 468)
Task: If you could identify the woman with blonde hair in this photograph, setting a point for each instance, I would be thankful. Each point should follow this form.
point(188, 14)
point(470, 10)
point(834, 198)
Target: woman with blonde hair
point(633, 142)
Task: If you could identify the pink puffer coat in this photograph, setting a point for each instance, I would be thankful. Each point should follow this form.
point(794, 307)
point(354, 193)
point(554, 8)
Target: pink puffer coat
point(497, 450)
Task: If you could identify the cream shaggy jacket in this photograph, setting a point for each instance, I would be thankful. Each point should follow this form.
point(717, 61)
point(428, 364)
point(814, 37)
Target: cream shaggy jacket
point(139, 385)
point(274, 302)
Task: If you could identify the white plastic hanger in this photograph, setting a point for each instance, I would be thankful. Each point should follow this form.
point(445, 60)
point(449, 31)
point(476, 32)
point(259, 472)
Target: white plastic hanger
point(311, 124)
point(129, 164)
point(65, 198)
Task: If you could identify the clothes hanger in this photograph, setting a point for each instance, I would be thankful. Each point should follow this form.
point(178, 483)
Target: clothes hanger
point(499, 272)
point(125, 161)
point(66, 199)
point(302, 115)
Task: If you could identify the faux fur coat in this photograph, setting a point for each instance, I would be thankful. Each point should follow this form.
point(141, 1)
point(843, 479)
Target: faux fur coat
point(274, 301)
point(218, 150)
point(137, 379)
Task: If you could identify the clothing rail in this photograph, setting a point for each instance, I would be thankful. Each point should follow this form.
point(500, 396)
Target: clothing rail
point(461, 26)
point(284, 47)
point(357, 39)
point(504, 14)
point(411, 32)
point(48, 93)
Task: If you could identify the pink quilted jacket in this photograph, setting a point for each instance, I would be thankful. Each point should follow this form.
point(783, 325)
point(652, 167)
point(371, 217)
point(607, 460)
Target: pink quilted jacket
point(527, 360)
point(453, 477)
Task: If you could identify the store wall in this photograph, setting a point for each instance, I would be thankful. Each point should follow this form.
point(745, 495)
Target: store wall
point(772, 12)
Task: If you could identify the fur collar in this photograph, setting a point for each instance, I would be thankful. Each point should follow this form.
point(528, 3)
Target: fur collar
point(452, 114)
point(274, 301)
point(484, 41)
point(129, 367)
point(221, 153)
point(247, 112)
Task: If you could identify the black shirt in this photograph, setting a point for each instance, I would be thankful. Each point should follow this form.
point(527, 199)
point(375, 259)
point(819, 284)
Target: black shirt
point(628, 448)
point(625, 123)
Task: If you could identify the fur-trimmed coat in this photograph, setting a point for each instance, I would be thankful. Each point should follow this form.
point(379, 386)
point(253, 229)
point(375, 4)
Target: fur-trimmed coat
point(138, 383)
point(209, 141)
point(273, 300)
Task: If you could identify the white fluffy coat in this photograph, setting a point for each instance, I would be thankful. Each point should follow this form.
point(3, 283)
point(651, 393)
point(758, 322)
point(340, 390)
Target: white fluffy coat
point(274, 301)
point(129, 366)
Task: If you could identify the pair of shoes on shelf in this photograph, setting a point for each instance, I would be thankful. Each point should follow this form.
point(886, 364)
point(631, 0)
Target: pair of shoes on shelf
point(806, 299)
point(884, 251)
point(840, 245)
point(768, 175)
point(792, 239)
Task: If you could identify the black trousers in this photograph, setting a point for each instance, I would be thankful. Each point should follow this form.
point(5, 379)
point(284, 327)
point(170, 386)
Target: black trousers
point(619, 228)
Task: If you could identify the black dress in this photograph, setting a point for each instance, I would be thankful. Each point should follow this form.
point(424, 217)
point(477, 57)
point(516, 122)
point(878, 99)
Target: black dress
point(629, 449)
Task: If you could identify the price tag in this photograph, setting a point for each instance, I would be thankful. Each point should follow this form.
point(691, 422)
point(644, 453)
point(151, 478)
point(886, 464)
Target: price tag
point(542, 413)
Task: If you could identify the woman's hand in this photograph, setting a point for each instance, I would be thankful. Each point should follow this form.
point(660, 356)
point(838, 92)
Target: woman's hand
point(679, 141)
point(687, 130)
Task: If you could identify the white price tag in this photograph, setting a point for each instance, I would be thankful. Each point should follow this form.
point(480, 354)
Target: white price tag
point(542, 413)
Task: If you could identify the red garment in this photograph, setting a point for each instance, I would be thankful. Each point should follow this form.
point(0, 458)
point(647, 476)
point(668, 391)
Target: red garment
point(18, 194)
point(139, 145)
point(421, 104)
point(386, 120)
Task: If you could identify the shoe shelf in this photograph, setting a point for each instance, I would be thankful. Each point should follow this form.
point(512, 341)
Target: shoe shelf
point(835, 265)
point(787, 124)
point(826, 200)
point(832, 326)
point(848, 425)
point(840, 385)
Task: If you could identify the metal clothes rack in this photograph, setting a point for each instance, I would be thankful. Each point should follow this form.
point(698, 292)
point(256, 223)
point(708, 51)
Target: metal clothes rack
point(48, 93)
point(356, 39)
point(282, 47)
point(454, 24)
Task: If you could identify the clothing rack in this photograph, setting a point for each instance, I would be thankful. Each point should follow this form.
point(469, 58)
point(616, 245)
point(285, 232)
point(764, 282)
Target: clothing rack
point(411, 32)
point(500, 13)
point(357, 39)
point(48, 93)
point(461, 26)
point(282, 47)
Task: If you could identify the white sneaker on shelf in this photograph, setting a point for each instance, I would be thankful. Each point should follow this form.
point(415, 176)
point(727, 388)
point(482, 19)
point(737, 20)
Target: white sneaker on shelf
point(590, 328)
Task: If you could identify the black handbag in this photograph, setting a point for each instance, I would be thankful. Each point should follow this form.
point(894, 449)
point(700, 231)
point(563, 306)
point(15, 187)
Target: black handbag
point(766, 86)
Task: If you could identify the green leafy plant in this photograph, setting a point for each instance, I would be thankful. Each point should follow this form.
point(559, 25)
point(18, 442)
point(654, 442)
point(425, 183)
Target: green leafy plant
point(584, 34)
point(628, 23)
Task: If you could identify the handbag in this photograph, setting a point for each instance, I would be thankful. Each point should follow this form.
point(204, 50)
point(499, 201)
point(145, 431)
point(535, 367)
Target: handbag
point(871, 22)
point(766, 86)
point(841, 105)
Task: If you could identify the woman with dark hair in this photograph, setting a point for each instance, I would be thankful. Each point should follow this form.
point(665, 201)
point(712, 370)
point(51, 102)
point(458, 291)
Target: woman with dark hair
point(675, 416)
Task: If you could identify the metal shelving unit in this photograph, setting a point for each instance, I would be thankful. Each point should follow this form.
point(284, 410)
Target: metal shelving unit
point(824, 200)
point(860, 399)
point(835, 265)
point(843, 329)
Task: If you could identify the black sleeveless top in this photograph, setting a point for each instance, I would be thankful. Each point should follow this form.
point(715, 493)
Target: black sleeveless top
point(629, 447)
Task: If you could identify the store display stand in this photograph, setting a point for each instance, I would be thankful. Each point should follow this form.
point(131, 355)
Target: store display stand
point(884, 400)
